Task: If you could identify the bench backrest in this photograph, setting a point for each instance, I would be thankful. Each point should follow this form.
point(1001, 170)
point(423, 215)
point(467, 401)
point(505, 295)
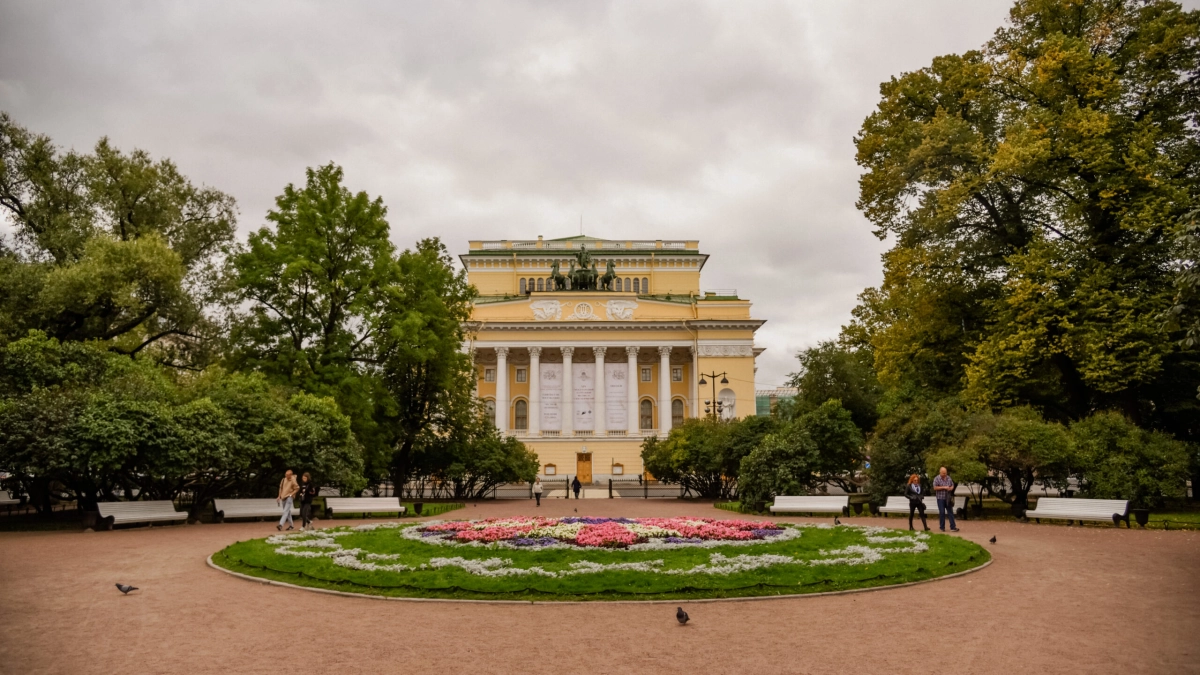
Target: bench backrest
point(1101, 507)
point(812, 501)
point(135, 510)
point(361, 502)
point(231, 506)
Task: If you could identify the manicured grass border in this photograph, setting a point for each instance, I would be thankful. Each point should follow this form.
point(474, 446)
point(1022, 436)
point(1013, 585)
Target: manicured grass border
point(252, 559)
point(494, 601)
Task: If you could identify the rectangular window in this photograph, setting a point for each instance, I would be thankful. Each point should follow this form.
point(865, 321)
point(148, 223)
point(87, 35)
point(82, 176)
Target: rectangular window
point(489, 374)
point(522, 375)
point(677, 373)
point(646, 374)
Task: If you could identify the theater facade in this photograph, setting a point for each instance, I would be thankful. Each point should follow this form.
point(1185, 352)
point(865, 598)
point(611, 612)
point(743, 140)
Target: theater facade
point(583, 347)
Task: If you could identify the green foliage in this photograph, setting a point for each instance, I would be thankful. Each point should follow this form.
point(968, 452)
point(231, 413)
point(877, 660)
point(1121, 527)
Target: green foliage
point(1033, 187)
point(704, 454)
point(910, 428)
point(1118, 460)
point(470, 457)
point(1020, 446)
point(783, 463)
point(108, 246)
point(77, 417)
point(839, 442)
point(833, 371)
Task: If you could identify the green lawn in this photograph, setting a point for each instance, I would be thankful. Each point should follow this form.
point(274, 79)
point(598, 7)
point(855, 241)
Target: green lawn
point(946, 555)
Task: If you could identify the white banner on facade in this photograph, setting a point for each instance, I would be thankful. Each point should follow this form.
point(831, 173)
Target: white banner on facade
point(551, 392)
point(615, 400)
point(583, 378)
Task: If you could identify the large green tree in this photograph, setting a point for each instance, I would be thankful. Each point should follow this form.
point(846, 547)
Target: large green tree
point(1032, 188)
point(108, 246)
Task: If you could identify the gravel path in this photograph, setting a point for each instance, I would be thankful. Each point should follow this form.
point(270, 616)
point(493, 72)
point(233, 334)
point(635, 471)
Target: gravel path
point(1056, 599)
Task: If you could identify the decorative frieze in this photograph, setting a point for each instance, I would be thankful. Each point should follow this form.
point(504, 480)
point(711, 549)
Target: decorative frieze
point(726, 350)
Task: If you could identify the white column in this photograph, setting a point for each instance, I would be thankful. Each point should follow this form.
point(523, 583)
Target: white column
point(535, 391)
point(502, 389)
point(568, 394)
point(631, 392)
point(694, 388)
point(664, 390)
point(599, 415)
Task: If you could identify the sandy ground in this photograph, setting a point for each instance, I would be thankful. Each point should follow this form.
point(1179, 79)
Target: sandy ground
point(1056, 599)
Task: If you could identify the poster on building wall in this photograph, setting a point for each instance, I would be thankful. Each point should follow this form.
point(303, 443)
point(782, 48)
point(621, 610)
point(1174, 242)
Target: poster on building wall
point(616, 400)
point(583, 378)
point(551, 393)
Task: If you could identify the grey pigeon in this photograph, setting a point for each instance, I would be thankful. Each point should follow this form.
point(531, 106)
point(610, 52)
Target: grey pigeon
point(836, 521)
point(125, 589)
point(993, 539)
point(681, 616)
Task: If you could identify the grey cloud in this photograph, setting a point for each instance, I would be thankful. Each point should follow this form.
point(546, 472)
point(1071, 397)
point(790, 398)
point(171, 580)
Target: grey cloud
point(731, 123)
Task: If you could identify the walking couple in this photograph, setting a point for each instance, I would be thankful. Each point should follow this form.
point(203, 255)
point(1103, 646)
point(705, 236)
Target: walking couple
point(943, 488)
point(289, 490)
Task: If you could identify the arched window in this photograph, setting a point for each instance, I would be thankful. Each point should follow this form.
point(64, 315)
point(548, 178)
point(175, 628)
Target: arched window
point(539, 285)
point(728, 403)
point(637, 287)
point(617, 284)
point(490, 406)
point(647, 414)
point(646, 285)
point(521, 415)
point(676, 413)
point(522, 286)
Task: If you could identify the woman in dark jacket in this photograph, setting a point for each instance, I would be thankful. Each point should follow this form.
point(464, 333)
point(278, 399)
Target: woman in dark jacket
point(576, 486)
point(308, 490)
point(916, 500)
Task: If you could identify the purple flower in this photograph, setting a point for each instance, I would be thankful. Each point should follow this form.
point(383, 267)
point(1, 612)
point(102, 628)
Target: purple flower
point(763, 534)
point(682, 540)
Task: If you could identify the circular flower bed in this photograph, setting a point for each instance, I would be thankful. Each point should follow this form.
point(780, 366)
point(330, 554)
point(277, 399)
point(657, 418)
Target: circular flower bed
point(599, 558)
point(635, 533)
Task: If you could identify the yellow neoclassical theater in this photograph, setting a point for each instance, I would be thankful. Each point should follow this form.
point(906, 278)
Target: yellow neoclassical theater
point(584, 346)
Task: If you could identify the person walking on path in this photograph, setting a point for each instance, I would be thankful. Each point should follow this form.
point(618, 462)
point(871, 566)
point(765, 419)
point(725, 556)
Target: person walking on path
point(576, 486)
point(308, 490)
point(916, 500)
point(943, 488)
point(537, 490)
point(287, 490)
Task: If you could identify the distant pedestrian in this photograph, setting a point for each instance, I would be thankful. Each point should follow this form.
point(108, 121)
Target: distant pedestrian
point(287, 490)
point(308, 490)
point(537, 490)
point(916, 500)
point(576, 486)
point(943, 487)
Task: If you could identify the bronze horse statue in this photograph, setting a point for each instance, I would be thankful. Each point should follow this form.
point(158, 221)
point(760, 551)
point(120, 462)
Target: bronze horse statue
point(610, 275)
point(557, 278)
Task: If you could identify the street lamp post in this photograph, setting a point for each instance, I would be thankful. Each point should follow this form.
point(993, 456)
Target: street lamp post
point(713, 406)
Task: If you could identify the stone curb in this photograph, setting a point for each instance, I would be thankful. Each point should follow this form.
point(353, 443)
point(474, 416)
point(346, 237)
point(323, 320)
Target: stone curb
point(272, 582)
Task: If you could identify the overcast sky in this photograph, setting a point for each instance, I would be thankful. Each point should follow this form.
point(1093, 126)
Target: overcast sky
point(728, 122)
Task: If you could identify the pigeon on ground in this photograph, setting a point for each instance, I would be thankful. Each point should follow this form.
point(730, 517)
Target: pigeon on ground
point(576, 510)
point(681, 616)
point(836, 521)
point(993, 539)
point(125, 589)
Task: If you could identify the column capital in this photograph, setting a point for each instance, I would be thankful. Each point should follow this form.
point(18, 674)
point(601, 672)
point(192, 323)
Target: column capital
point(632, 352)
point(599, 352)
point(502, 352)
point(535, 351)
point(568, 352)
point(664, 351)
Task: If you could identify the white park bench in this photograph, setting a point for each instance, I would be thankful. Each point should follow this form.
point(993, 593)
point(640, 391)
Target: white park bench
point(7, 501)
point(1062, 508)
point(251, 508)
point(812, 505)
point(363, 505)
point(119, 513)
point(900, 505)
